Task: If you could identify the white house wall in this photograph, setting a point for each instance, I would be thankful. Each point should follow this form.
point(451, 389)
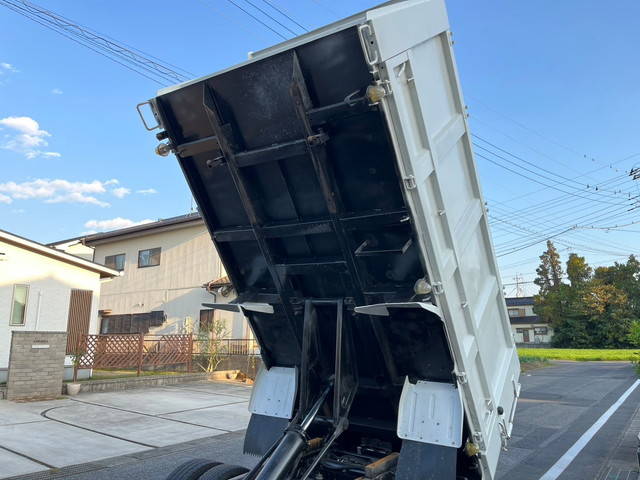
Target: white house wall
point(50, 283)
point(188, 260)
point(533, 339)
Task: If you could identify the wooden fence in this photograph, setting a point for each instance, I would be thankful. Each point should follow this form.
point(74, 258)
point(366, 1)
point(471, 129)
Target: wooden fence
point(134, 350)
point(227, 346)
point(139, 351)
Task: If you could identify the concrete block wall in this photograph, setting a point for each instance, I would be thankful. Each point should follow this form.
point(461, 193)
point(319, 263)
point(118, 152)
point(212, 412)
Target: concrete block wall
point(36, 365)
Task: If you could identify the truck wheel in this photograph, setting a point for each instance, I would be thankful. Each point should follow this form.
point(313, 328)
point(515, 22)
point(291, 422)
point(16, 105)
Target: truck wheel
point(192, 469)
point(223, 472)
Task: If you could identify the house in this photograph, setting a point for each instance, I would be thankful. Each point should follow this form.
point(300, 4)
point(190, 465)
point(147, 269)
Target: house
point(169, 268)
point(526, 326)
point(44, 289)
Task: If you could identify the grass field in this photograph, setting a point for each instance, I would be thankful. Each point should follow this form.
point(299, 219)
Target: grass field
point(530, 362)
point(580, 355)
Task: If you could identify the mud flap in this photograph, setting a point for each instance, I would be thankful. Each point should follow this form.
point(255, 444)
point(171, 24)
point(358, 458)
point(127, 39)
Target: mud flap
point(271, 407)
point(426, 462)
point(262, 432)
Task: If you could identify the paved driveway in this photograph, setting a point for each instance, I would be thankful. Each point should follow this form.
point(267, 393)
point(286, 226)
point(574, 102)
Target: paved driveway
point(46, 435)
point(559, 405)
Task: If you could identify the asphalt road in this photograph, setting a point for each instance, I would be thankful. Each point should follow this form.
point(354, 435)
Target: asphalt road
point(558, 405)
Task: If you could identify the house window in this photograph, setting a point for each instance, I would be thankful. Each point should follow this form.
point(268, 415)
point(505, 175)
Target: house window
point(19, 304)
point(540, 330)
point(516, 312)
point(115, 261)
point(149, 258)
point(520, 330)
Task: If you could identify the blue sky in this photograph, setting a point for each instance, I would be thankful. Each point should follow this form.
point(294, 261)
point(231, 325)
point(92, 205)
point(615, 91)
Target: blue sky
point(551, 83)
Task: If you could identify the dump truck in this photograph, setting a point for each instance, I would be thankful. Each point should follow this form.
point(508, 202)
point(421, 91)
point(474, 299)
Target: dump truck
point(336, 176)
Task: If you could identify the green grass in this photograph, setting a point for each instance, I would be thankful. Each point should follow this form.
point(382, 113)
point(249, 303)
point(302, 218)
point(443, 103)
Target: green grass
point(579, 355)
point(532, 359)
point(531, 362)
point(114, 374)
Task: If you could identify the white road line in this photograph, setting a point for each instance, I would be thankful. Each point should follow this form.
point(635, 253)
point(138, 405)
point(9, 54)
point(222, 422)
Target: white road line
point(556, 470)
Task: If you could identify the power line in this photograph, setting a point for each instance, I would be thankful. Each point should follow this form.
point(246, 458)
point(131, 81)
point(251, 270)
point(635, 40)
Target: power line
point(533, 243)
point(533, 234)
point(537, 181)
point(526, 145)
point(586, 174)
point(529, 129)
point(576, 233)
point(567, 180)
point(220, 11)
point(115, 51)
point(269, 16)
point(588, 216)
point(285, 13)
point(542, 236)
point(232, 2)
point(617, 209)
point(609, 213)
point(548, 207)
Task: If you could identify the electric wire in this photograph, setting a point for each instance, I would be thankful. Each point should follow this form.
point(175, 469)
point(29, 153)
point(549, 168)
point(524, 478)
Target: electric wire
point(535, 180)
point(535, 132)
point(239, 7)
point(103, 45)
point(566, 179)
point(285, 13)
point(220, 11)
point(17, 10)
point(266, 14)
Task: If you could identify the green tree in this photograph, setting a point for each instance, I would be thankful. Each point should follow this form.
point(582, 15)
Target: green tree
point(550, 269)
point(597, 309)
point(578, 271)
point(210, 341)
point(626, 277)
point(634, 334)
point(609, 315)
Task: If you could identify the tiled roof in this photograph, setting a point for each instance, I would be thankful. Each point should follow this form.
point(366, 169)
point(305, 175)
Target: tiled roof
point(518, 301)
point(526, 319)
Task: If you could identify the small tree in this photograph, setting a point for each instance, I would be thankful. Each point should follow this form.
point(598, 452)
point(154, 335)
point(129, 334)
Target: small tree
point(634, 334)
point(210, 342)
point(76, 356)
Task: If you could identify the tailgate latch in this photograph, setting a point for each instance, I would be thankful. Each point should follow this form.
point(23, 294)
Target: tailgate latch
point(409, 182)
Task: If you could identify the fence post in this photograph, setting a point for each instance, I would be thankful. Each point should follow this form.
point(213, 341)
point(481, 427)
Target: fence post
point(76, 358)
point(190, 358)
point(140, 351)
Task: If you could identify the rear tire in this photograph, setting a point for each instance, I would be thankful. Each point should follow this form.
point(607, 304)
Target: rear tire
point(192, 469)
point(223, 472)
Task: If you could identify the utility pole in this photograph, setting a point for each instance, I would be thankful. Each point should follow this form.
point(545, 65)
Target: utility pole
point(519, 286)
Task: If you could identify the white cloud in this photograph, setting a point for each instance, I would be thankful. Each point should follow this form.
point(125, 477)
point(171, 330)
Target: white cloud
point(26, 137)
point(147, 191)
point(7, 67)
point(57, 91)
point(121, 192)
point(57, 191)
point(112, 224)
point(5, 199)
point(76, 197)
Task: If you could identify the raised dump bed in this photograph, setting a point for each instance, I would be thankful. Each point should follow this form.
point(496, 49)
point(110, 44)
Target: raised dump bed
point(335, 174)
